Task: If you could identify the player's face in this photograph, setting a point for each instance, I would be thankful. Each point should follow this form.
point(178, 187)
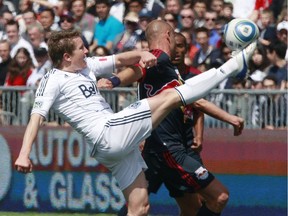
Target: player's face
point(79, 54)
point(180, 50)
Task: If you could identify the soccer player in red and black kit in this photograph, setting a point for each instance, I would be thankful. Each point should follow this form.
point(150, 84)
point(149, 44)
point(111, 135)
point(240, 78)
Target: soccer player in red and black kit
point(168, 151)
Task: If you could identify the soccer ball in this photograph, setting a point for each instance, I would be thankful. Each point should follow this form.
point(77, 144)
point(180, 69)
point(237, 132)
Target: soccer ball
point(238, 33)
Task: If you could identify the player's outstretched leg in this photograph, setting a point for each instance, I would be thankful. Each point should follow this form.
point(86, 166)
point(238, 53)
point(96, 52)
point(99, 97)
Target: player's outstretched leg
point(200, 85)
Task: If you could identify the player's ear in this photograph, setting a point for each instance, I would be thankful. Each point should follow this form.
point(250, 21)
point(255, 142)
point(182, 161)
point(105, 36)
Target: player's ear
point(168, 34)
point(66, 57)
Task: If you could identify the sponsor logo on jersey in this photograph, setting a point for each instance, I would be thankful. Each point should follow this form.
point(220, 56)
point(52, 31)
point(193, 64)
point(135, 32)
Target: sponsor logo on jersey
point(135, 105)
point(201, 173)
point(102, 59)
point(152, 91)
point(88, 90)
point(38, 104)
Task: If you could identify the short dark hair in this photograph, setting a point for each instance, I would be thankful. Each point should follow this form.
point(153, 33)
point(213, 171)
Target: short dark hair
point(13, 22)
point(229, 5)
point(40, 52)
point(271, 77)
point(200, 1)
point(279, 47)
point(106, 2)
point(5, 10)
point(202, 29)
point(179, 34)
point(50, 10)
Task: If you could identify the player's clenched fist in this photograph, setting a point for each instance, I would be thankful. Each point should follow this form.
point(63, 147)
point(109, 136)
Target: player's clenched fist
point(23, 165)
point(238, 126)
point(104, 84)
point(147, 60)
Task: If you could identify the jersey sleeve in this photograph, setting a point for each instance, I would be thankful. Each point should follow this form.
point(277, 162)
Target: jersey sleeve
point(48, 90)
point(101, 65)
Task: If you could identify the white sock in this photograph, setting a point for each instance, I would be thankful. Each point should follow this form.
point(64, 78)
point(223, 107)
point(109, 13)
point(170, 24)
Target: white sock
point(199, 86)
point(229, 67)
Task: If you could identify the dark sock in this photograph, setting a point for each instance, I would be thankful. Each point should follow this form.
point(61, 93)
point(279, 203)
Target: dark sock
point(123, 211)
point(204, 211)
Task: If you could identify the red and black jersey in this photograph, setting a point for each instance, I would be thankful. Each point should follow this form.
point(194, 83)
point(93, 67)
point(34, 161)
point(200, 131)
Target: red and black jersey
point(171, 133)
point(162, 76)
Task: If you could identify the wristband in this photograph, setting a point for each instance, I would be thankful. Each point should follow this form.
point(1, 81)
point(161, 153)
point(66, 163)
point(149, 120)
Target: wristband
point(115, 81)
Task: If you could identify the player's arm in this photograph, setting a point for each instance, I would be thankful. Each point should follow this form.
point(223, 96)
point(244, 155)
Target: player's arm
point(106, 65)
point(130, 75)
point(218, 113)
point(23, 163)
point(198, 128)
point(144, 58)
point(124, 78)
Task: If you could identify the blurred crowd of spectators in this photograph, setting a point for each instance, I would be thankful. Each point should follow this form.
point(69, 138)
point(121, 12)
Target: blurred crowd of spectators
point(109, 27)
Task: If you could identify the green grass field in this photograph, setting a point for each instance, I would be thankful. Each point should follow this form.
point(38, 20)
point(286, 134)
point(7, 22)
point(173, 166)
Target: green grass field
point(49, 214)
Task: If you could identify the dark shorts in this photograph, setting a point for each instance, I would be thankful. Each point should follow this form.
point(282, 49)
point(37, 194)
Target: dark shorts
point(180, 171)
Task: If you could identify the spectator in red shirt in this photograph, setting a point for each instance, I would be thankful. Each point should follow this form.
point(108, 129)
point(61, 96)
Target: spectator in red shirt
point(19, 69)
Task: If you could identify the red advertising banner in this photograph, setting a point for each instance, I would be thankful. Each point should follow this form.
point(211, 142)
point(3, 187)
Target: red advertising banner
point(66, 178)
point(262, 152)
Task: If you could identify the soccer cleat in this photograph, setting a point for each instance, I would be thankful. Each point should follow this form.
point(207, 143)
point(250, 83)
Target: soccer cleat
point(243, 58)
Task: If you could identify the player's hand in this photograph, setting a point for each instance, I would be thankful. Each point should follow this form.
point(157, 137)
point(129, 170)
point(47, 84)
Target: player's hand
point(23, 165)
point(197, 144)
point(238, 125)
point(104, 84)
point(147, 60)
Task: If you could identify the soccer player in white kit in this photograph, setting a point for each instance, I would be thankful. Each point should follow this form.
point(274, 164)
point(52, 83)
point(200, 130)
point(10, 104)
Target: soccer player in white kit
point(70, 89)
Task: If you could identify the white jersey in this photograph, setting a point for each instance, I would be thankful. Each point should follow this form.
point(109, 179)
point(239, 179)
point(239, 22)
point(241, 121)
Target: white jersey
point(75, 97)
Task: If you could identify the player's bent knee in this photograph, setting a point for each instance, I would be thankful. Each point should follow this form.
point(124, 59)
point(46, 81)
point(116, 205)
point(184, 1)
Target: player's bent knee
point(223, 199)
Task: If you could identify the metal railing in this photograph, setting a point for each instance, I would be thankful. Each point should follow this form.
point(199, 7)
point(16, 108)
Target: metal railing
point(259, 108)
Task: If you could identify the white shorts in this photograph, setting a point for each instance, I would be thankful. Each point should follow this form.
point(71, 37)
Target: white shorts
point(118, 146)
